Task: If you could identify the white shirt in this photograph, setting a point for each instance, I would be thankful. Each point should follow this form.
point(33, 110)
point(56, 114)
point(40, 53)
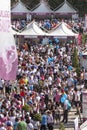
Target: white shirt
point(2, 128)
point(50, 80)
point(49, 119)
point(30, 126)
point(77, 96)
point(36, 125)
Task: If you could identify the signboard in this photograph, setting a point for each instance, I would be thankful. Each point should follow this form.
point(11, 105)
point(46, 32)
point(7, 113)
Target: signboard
point(84, 105)
point(85, 21)
point(76, 124)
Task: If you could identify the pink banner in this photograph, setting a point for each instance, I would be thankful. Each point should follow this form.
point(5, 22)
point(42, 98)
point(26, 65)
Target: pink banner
point(8, 52)
point(79, 39)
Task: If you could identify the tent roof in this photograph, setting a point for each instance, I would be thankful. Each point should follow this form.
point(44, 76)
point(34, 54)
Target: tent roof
point(19, 7)
point(33, 29)
point(84, 52)
point(42, 8)
point(62, 30)
point(14, 32)
point(65, 7)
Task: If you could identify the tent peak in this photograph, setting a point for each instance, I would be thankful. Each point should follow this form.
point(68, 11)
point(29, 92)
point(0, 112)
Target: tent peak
point(65, 7)
point(20, 7)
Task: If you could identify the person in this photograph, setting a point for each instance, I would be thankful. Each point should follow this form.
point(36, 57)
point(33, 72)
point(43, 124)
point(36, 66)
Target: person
point(44, 121)
point(22, 125)
point(16, 123)
point(29, 124)
point(36, 125)
point(65, 111)
point(49, 120)
point(77, 99)
point(9, 125)
point(57, 114)
point(2, 126)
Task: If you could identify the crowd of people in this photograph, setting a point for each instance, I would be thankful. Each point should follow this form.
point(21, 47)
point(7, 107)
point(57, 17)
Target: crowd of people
point(47, 82)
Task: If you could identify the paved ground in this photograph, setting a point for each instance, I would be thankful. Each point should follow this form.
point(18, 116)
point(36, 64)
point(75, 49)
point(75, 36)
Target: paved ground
point(70, 124)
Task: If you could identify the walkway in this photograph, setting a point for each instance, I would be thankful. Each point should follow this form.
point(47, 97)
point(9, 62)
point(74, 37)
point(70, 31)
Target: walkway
point(70, 124)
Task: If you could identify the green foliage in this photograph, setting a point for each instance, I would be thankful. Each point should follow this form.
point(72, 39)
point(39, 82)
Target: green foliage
point(37, 117)
point(61, 126)
point(84, 38)
point(75, 61)
point(26, 108)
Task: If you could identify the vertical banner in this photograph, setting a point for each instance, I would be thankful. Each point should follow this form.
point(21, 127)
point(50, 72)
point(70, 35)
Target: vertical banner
point(76, 124)
point(86, 22)
point(8, 52)
point(84, 105)
point(79, 39)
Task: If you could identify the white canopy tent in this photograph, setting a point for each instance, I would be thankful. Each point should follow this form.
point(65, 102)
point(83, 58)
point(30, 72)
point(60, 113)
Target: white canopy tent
point(14, 32)
point(19, 8)
point(65, 8)
point(62, 30)
point(33, 29)
point(42, 8)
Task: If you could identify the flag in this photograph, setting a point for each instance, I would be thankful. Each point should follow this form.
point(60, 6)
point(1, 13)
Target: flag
point(79, 39)
point(8, 52)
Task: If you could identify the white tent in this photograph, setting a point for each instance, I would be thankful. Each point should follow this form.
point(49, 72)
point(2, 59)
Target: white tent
point(62, 30)
point(33, 29)
point(42, 8)
point(19, 8)
point(14, 32)
point(65, 8)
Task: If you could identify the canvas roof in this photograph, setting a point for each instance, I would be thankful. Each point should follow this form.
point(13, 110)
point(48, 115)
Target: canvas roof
point(84, 52)
point(42, 8)
point(62, 30)
point(19, 7)
point(33, 29)
point(14, 32)
point(65, 7)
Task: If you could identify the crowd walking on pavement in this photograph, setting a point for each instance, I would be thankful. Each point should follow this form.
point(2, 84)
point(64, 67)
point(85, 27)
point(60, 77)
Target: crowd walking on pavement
point(47, 82)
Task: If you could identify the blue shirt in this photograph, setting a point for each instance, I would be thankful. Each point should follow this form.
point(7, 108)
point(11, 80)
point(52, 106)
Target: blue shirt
point(44, 120)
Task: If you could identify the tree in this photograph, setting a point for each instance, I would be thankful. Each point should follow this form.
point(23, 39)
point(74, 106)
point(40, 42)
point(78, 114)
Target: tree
point(84, 38)
point(75, 61)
